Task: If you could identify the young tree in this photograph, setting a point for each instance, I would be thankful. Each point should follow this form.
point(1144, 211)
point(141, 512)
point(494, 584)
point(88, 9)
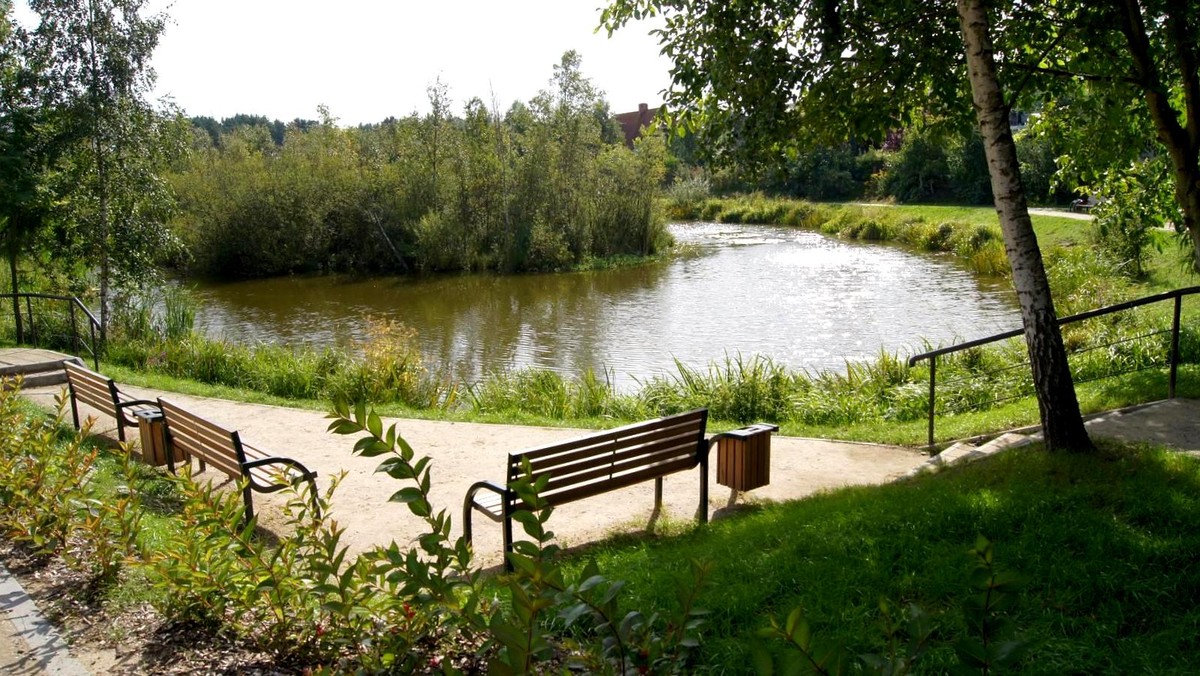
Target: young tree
point(98, 54)
point(1062, 424)
point(31, 139)
point(765, 72)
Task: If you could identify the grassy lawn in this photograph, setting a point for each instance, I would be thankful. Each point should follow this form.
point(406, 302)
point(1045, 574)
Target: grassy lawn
point(1107, 544)
point(1051, 230)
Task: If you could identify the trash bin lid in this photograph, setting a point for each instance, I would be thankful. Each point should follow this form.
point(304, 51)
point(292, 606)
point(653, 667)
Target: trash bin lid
point(751, 430)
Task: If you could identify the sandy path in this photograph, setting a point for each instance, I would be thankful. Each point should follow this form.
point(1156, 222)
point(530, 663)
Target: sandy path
point(464, 453)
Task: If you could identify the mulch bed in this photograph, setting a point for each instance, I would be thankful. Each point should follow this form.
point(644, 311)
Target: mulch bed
point(135, 640)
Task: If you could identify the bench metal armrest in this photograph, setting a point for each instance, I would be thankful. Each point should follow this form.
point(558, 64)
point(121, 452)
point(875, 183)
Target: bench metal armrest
point(469, 503)
point(294, 464)
point(123, 418)
point(137, 402)
point(304, 475)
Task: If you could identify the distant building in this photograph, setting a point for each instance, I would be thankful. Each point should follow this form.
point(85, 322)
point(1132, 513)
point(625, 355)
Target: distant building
point(633, 123)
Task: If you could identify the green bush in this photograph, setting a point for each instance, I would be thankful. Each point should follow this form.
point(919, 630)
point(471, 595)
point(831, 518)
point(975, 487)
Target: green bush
point(919, 171)
point(43, 480)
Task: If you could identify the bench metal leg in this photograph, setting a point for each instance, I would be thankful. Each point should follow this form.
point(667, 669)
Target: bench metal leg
point(658, 493)
point(702, 515)
point(508, 539)
point(468, 533)
point(74, 410)
point(248, 498)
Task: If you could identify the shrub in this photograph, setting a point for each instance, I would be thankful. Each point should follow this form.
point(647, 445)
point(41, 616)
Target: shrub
point(919, 171)
point(43, 480)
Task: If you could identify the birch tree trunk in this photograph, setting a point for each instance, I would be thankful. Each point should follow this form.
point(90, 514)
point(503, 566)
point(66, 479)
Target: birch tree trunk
point(1062, 423)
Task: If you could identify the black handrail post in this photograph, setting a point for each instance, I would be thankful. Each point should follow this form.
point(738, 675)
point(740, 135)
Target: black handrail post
point(29, 316)
point(16, 303)
point(95, 352)
point(74, 329)
point(932, 397)
point(1174, 347)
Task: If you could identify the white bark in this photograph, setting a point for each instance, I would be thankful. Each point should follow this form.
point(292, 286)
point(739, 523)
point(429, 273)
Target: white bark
point(1062, 423)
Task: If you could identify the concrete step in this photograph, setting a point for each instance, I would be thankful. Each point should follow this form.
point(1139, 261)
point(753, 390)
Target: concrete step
point(44, 379)
point(964, 452)
point(38, 367)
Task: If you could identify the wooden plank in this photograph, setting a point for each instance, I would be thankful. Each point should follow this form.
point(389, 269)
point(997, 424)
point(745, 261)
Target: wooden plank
point(559, 482)
point(600, 487)
point(616, 454)
point(90, 387)
point(547, 459)
point(684, 420)
point(201, 438)
point(575, 474)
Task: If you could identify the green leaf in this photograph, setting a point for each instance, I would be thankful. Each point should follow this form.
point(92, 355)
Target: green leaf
point(375, 425)
point(395, 468)
point(369, 447)
point(343, 427)
point(406, 495)
point(761, 659)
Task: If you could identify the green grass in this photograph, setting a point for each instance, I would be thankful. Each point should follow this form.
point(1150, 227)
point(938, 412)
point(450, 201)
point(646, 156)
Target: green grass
point(1107, 542)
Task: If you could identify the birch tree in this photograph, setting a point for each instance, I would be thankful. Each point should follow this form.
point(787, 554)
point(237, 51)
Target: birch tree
point(764, 73)
point(98, 55)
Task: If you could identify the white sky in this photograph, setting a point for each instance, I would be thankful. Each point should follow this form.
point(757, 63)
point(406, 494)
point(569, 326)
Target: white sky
point(368, 59)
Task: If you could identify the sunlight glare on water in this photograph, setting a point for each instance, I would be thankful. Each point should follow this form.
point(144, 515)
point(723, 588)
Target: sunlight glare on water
point(799, 297)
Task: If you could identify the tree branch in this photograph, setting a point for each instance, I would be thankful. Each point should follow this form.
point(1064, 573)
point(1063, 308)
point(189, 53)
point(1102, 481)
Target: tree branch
point(1016, 91)
point(1063, 73)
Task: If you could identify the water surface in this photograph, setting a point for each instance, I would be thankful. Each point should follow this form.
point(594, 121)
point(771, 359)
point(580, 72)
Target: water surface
point(804, 299)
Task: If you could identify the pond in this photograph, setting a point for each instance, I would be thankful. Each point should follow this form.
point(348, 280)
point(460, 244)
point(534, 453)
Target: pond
point(804, 299)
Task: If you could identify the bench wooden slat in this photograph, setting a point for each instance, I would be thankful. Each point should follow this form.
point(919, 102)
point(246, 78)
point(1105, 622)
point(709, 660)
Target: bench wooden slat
point(224, 450)
point(617, 482)
point(631, 460)
point(683, 434)
point(610, 453)
point(202, 439)
point(683, 421)
point(101, 393)
point(598, 463)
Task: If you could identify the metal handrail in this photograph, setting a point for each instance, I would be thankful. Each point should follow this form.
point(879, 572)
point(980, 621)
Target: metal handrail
point(1176, 295)
point(73, 304)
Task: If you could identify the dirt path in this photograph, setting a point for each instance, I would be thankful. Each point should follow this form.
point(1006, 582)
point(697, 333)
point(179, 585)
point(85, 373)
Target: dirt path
point(464, 453)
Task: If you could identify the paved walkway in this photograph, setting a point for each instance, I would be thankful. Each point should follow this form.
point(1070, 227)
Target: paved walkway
point(463, 453)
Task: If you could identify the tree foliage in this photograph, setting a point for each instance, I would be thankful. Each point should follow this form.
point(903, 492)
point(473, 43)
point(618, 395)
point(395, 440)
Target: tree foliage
point(545, 186)
point(759, 75)
point(111, 198)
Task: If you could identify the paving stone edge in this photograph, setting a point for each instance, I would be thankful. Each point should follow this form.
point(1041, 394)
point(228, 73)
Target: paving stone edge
point(47, 649)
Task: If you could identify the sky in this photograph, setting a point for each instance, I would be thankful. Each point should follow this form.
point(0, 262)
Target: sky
point(369, 59)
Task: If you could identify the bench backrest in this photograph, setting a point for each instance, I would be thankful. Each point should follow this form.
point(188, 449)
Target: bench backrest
point(91, 388)
point(615, 458)
point(203, 439)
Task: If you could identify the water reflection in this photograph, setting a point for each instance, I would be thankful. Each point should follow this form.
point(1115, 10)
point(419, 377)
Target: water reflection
point(802, 298)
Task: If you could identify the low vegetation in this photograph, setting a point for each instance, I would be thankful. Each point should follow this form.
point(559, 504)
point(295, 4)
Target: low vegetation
point(1099, 542)
point(1068, 552)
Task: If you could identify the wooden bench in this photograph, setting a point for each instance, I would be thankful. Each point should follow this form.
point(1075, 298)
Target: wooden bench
point(599, 463)
point(211, 444)
point(101, 393)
